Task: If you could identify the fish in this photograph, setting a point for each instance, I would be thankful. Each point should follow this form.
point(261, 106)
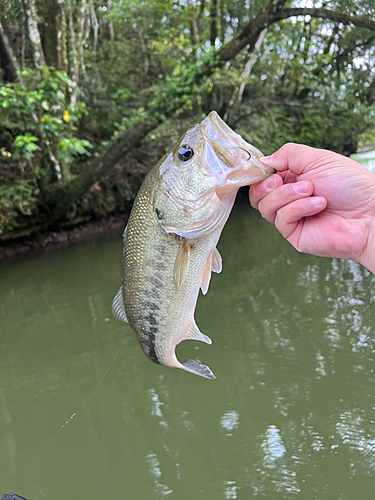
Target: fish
point(170, 240)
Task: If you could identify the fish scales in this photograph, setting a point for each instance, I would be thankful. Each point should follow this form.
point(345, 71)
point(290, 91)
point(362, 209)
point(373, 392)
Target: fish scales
point(153, 303)
point(171, 237)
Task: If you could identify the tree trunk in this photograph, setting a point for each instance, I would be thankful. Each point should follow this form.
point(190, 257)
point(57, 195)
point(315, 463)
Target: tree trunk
point(110, 24)
point(193, 24)
point(213, 22)
point(252, 57)
point(61, 29)
point(34, 35)
point(49, 32)
point(8, 59)
point(75, 46)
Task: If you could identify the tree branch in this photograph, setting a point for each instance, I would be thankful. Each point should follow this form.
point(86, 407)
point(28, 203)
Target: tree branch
point(103, 164)
point(249, 34)
point(9, 51)
point(337, 17)
point(272, 13)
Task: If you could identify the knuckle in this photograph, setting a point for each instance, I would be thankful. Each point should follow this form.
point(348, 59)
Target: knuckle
point(288, 147)
point(266, 212)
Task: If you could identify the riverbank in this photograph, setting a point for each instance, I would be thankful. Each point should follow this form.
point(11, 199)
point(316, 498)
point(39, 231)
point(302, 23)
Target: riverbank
point(51, 239)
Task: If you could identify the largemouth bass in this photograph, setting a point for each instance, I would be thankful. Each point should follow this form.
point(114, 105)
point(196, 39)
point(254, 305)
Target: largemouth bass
point(171, 236)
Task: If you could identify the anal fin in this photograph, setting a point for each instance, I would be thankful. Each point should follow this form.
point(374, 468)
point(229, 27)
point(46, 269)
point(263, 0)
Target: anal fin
point(213, 263)
point(194, 334)
point(217, 261)
point(118, 309)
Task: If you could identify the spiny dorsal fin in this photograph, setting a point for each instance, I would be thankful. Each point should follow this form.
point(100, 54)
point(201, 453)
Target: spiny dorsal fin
point(217, 261)
point(181, 264)
point(195, 366)
point(118, 310)
point(194, 334)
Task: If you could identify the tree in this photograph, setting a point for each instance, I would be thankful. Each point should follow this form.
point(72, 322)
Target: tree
point(120, 71)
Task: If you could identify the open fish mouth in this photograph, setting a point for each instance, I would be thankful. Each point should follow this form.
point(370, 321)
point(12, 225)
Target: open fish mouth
point(229, 157)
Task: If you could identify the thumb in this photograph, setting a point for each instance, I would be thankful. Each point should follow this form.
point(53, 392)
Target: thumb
point(297, 158)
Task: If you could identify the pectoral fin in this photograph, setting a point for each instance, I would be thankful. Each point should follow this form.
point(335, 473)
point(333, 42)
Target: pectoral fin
point(195, 366)
point(118, 309)
point(194, 334)
point(214, 263)
point(181, 264)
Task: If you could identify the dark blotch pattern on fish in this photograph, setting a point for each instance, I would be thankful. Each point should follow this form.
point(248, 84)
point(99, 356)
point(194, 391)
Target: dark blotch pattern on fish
point(151, 305)
point(151, 319)
point(147, 341)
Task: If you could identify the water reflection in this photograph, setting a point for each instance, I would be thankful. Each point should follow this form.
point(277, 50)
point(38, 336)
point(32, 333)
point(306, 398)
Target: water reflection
point(291, 412)
point(273, 446)
point(161, 490)
point(230, 421)
point(230, 489)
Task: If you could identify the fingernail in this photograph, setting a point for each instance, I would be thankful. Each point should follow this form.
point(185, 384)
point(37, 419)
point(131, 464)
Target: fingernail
point(318, 200)
point(265, 159)
point(302, 187)
point(270, 183)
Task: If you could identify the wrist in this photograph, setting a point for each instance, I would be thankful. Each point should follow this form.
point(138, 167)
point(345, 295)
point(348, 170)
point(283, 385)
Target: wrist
point(368, 255)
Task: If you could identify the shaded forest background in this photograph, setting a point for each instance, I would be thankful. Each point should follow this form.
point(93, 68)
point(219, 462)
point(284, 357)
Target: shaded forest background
point(92, 93)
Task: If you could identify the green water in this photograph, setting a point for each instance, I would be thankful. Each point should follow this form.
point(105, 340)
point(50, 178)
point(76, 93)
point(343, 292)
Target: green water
point(291, 414)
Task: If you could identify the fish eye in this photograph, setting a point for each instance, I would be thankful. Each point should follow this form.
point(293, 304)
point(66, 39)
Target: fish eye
point(185, 152)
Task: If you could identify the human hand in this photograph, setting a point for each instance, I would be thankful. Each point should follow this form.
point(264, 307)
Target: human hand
point(321, 202)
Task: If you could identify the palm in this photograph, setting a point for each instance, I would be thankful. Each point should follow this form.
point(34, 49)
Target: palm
point(341, 229)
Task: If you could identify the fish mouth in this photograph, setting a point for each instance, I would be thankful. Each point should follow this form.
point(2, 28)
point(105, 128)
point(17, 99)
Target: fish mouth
point(230, 158)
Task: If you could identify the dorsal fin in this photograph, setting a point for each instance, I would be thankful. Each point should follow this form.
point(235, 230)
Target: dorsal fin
point(194, 334)
point(118, 309)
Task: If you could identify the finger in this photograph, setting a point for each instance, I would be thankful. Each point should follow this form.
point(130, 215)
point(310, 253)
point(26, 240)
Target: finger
point(284, 195)
point(288, 217)
point(261, 189)
point(289, 177)
point(297, 158)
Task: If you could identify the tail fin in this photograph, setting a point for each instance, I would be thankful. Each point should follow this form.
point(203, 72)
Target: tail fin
point(195, 366)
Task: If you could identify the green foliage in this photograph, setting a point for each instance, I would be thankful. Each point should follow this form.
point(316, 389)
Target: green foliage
point(313, 82)
point(25, 147)
point(18, 197)
point(40, 108)
point(71, 147)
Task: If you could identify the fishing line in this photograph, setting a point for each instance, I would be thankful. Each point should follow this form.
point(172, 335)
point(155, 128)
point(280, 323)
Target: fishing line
point(82, 405)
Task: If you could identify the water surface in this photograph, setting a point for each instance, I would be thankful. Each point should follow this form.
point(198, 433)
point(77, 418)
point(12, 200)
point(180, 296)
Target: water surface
point(291, 414)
